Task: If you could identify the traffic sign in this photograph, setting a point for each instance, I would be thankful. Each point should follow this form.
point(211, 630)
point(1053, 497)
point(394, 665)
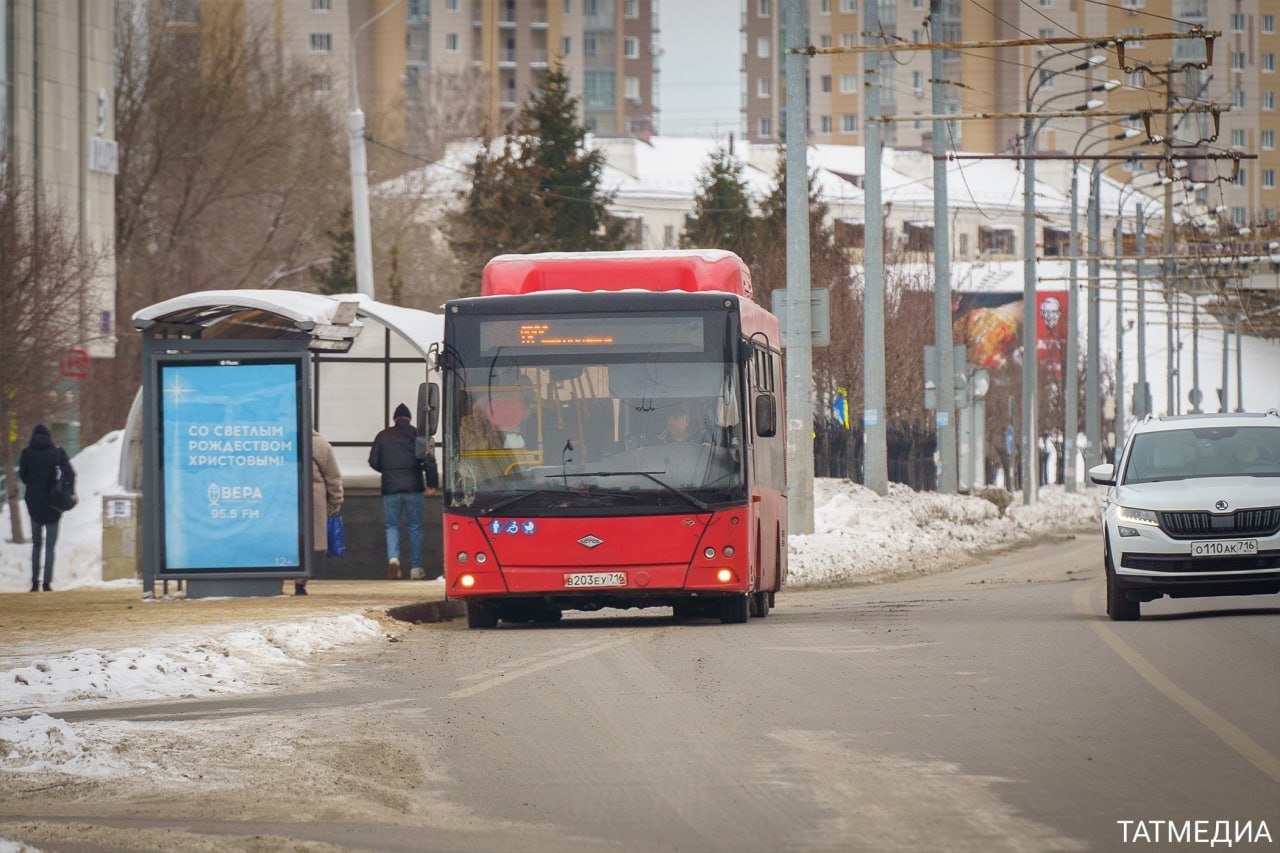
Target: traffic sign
point(74, 363)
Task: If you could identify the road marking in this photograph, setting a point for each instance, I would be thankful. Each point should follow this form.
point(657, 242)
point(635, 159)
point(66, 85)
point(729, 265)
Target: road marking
point(1229, 733)
point(512, 675)
point(846, 650)
point(492, 671)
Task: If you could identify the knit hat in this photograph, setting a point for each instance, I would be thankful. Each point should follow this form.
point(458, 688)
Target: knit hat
point(402, 411)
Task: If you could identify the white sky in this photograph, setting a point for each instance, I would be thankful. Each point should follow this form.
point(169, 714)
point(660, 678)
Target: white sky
point(699, 87)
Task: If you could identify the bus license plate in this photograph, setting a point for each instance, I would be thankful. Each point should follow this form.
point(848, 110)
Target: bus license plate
point(583, 580)
point(1228, 548)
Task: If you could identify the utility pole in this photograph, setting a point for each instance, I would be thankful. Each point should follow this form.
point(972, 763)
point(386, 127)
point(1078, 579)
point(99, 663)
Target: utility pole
point(1030, 354)
point(799, 337)
point(1171, 268)
point(1120, 418)
point(948, 479)
point(875, 461)
point(1196, 394)
point(1071, 419)
point(1142, 397)
point(1093, 367)
point(1225, 402)
point(1239, 373)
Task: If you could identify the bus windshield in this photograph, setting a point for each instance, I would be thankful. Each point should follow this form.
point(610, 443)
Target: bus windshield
point(596, 435)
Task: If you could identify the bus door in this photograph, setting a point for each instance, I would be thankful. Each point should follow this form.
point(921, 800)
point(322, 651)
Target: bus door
point(768, 476)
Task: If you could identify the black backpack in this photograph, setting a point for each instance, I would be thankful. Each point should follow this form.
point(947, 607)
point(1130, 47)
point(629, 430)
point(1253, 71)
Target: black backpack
point(62, 491)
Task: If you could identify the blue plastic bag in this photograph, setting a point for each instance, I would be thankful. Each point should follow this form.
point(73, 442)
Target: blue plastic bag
point(337, 538)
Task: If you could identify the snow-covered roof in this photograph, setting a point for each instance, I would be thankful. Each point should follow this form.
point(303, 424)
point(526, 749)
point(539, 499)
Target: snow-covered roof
point(206, 307)
point(420, 328)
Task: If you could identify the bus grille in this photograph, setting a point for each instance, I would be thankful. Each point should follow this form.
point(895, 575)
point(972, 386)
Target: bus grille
point(1244, 522)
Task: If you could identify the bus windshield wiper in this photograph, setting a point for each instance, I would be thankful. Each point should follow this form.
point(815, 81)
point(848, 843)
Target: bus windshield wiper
point(702, 505)
point(508, 501)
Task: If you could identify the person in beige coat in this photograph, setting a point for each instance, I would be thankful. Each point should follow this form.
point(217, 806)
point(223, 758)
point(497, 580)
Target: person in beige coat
point(326, 492)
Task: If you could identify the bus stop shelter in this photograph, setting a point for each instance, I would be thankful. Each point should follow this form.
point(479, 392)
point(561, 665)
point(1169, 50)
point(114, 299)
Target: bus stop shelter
point(362, 358)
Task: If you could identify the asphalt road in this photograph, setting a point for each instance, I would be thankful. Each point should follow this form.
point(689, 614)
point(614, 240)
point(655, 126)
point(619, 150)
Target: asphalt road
point(991, 707)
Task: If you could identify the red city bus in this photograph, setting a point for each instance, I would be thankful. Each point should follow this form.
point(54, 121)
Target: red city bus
point(611, 438)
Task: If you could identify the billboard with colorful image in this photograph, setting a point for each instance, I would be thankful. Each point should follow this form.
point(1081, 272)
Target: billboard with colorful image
point(990, 326)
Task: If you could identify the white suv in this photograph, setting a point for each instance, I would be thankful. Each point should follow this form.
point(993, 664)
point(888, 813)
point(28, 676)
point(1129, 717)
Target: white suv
point(1193, 510)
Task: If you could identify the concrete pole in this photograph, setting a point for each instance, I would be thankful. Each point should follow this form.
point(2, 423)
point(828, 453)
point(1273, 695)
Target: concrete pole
point(948, 478)
point(1120, 401)
point(1093, 367)
point(1171, 359)
point(1224, 404)
point(360, 201)
point(875, 457)
point(1030, 353)
point(1142, 398)
point(1071, 417)
point(1195, 357)
point(799, 350)
point(1239, 373)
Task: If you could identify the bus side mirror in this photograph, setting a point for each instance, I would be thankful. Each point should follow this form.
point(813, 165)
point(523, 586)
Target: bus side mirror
point(428, 409)
point(766, 416)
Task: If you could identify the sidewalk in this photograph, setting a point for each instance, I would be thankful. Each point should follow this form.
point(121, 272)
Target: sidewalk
point(45, 623)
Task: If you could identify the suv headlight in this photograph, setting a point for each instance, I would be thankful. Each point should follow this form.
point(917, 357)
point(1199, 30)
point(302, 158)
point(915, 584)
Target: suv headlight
point(1130, 515)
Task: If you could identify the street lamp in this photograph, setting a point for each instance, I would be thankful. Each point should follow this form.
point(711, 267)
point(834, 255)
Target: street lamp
point(360, 171)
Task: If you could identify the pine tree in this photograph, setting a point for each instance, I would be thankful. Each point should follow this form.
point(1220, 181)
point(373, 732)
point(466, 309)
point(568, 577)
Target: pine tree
point(721, 217)
point(340, 274)
point(537, 190)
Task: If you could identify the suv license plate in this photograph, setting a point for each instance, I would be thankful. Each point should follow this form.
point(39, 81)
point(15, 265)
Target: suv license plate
point(1225, 548)
point(580, 580)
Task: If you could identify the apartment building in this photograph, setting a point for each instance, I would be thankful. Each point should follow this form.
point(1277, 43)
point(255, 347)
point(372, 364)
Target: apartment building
point(470, 64)
point(1243, 75)
point(57, 129)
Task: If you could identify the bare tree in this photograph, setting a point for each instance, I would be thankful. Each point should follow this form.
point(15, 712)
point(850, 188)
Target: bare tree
point(231, 169)
point(45, 277)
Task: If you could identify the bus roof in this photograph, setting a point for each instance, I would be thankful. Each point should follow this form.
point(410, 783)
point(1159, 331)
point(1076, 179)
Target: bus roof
point(693, 270)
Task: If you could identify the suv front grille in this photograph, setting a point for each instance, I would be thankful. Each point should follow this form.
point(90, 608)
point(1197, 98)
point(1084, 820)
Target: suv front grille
point(1204, 525)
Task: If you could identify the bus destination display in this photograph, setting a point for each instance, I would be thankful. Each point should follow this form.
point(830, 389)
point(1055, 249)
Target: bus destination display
point(588, 334)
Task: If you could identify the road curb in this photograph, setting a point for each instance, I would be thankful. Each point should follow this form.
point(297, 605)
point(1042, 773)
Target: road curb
point(428, 611)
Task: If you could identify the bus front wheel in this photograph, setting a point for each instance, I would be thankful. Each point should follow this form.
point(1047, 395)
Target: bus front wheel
point(481, 615)
point(735, 609)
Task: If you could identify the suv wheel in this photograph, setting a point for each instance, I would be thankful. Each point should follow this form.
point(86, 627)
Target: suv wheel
point(1119, 608)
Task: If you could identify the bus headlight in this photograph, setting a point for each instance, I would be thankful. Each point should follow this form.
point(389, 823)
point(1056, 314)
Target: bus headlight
point(467, 581)
point(462, 556)
point(481, 556)
point(724, 576)
point(728, 550)
point(709, 553)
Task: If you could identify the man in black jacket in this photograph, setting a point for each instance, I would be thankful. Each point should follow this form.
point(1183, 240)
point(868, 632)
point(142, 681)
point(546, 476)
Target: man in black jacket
point(403, 473)
point(41, 465)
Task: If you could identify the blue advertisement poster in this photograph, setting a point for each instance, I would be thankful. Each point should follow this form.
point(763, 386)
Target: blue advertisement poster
point(230, 466)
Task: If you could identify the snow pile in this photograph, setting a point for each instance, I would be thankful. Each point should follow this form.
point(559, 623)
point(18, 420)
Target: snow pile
point(78, 557)
point(43, 743)
point(859, 533)
point(235, 662)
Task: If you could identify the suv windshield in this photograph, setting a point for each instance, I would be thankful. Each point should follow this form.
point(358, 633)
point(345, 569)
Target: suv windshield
point(1206, 452)
point(629, 435)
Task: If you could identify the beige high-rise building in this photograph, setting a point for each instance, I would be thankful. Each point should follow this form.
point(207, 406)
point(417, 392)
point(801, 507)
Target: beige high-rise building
point(57, 130)
point(1243, 74)
point(460, 67)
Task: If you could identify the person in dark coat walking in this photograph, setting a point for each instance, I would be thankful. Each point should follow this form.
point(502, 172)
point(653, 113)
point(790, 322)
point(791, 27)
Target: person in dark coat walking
point(38, 466)
point(403, 473)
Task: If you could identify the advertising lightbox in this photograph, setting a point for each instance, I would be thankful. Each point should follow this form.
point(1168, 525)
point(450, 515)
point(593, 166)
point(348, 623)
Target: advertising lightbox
point(232, 472)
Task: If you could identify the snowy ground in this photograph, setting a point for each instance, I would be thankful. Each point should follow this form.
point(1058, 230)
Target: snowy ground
point(859, 533)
